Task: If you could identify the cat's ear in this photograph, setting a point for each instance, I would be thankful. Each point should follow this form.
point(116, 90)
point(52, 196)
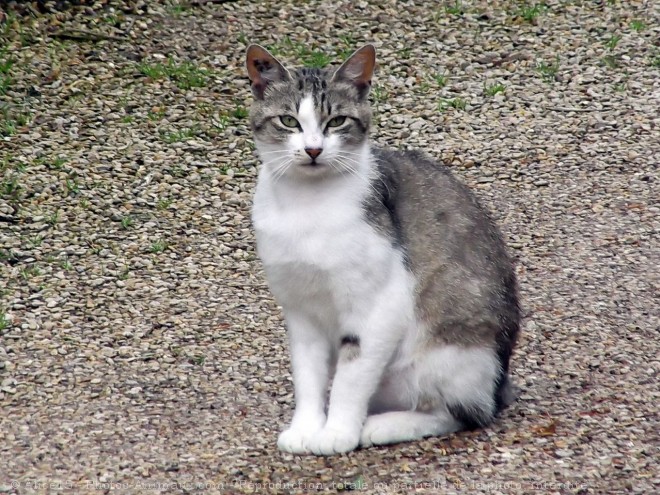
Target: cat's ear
point(263, 69)
point(358, 69)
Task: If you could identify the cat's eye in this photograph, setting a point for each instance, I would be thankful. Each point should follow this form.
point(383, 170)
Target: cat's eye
point(289, 121)
point(336, 121)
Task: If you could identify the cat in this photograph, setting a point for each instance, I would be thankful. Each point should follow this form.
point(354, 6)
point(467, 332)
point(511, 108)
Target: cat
point(394, 283)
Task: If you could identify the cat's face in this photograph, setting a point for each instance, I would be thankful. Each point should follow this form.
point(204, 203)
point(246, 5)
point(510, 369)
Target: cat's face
point(310, 122)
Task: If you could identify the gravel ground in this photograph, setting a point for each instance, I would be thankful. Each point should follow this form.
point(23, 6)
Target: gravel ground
point(140, 350)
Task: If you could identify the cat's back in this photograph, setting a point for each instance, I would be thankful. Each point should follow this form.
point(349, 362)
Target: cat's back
point(450, 244)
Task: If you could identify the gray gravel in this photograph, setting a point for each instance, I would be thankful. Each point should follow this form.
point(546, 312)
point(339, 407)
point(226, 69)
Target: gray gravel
point(140, 351)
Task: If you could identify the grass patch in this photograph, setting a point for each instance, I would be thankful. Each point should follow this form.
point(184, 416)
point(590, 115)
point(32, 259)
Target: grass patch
point(6, 63)
point(178, 136)
point(493, 89)
point(530, 12)
point(548, 71)
point(4, 321)
point(441, 80)
point(11, 122)
point(455, 103)
point(35, 241)
point(613, 41)
point(158, 246)
point(610, 61)
point(185, 75)
point(309, 56)
point(127, 222)
point(637, 25)
point(54, 218)
point(164, 203)
point(455, 9)
point(240, 112)
point(10, 189)
point(30, 271)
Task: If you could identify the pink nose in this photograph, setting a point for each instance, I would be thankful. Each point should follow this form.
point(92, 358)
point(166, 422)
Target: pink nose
point(313, 152)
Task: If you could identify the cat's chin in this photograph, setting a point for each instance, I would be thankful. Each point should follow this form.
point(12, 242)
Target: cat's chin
point(317, 169)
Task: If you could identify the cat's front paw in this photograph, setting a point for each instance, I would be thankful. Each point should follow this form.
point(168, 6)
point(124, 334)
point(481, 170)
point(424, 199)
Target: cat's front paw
point(329, 441)
point(294, 441)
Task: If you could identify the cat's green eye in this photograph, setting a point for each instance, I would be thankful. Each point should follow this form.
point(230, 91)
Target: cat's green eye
point(336, 121)
point(289, 121)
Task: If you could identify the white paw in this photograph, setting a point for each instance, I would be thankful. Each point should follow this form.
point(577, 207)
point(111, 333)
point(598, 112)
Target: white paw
point(378, 432)
point(333, 441)
point(294, 441)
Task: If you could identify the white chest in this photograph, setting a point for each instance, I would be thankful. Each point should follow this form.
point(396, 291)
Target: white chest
point(318, 249)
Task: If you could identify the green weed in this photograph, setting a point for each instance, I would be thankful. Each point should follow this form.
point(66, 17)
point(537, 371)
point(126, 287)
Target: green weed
point(158, 246)
point(548, 71)
point(185, 75)
point(456, 103)
point(530, 12)
point(493, 89)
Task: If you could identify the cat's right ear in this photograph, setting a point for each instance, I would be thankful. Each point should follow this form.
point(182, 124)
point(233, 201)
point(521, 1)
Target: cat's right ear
point(263, 69)
point(359, 69)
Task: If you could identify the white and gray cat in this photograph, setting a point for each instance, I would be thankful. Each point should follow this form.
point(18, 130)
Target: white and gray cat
point(394, 282)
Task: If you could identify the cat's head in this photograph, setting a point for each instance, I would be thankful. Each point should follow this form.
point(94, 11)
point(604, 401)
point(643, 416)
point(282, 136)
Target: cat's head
point(310, 122)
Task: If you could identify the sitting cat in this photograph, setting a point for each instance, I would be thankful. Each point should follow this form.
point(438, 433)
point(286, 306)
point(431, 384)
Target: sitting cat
point(393, 280)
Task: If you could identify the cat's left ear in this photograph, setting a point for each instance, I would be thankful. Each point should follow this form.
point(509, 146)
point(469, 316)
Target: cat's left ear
point(263, 69)
point(358, 69)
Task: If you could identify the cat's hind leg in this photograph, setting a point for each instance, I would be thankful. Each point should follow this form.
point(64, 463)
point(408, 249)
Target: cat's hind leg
point(404, 426)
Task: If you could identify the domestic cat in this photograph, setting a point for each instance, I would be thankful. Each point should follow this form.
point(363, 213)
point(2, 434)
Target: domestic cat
point(394, 283)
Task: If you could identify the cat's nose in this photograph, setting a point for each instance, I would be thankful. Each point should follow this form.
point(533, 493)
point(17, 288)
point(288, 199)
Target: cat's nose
point(313, 152)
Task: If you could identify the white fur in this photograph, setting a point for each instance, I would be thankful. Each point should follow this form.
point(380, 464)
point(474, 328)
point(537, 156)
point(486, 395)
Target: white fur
point(334, 275)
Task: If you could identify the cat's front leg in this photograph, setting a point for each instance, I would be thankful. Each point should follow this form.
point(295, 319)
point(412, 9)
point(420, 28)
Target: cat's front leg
point(355, 381)
point(310, 359)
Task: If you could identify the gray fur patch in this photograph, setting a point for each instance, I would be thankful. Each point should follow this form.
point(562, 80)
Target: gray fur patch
point(466, 291)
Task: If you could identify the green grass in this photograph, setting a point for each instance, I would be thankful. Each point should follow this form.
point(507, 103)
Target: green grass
point(441, 80)
point(240, 112)
point(158, 246)
point(456, 103)
point(178, 136)
point(6, 63)
point(30, 271)
point(379, 94)
point(655, 60)
point(127, 119)
point(493, 89)
point(185, 75)
point(10, 188)
point(164, 203)
point(4, 321)
point(548, 71)
point(11, 121)
point(197, 359)
point(637, 25)
point(72, 186)
point(612, 42)
point(127, 222)
point(178, 8)
point(530, 12)
point(54, 218)
point(610, 61)
point(221, 123)
point(310, 57)
point(455, 9)
point(156, 114)
point(35, 241)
